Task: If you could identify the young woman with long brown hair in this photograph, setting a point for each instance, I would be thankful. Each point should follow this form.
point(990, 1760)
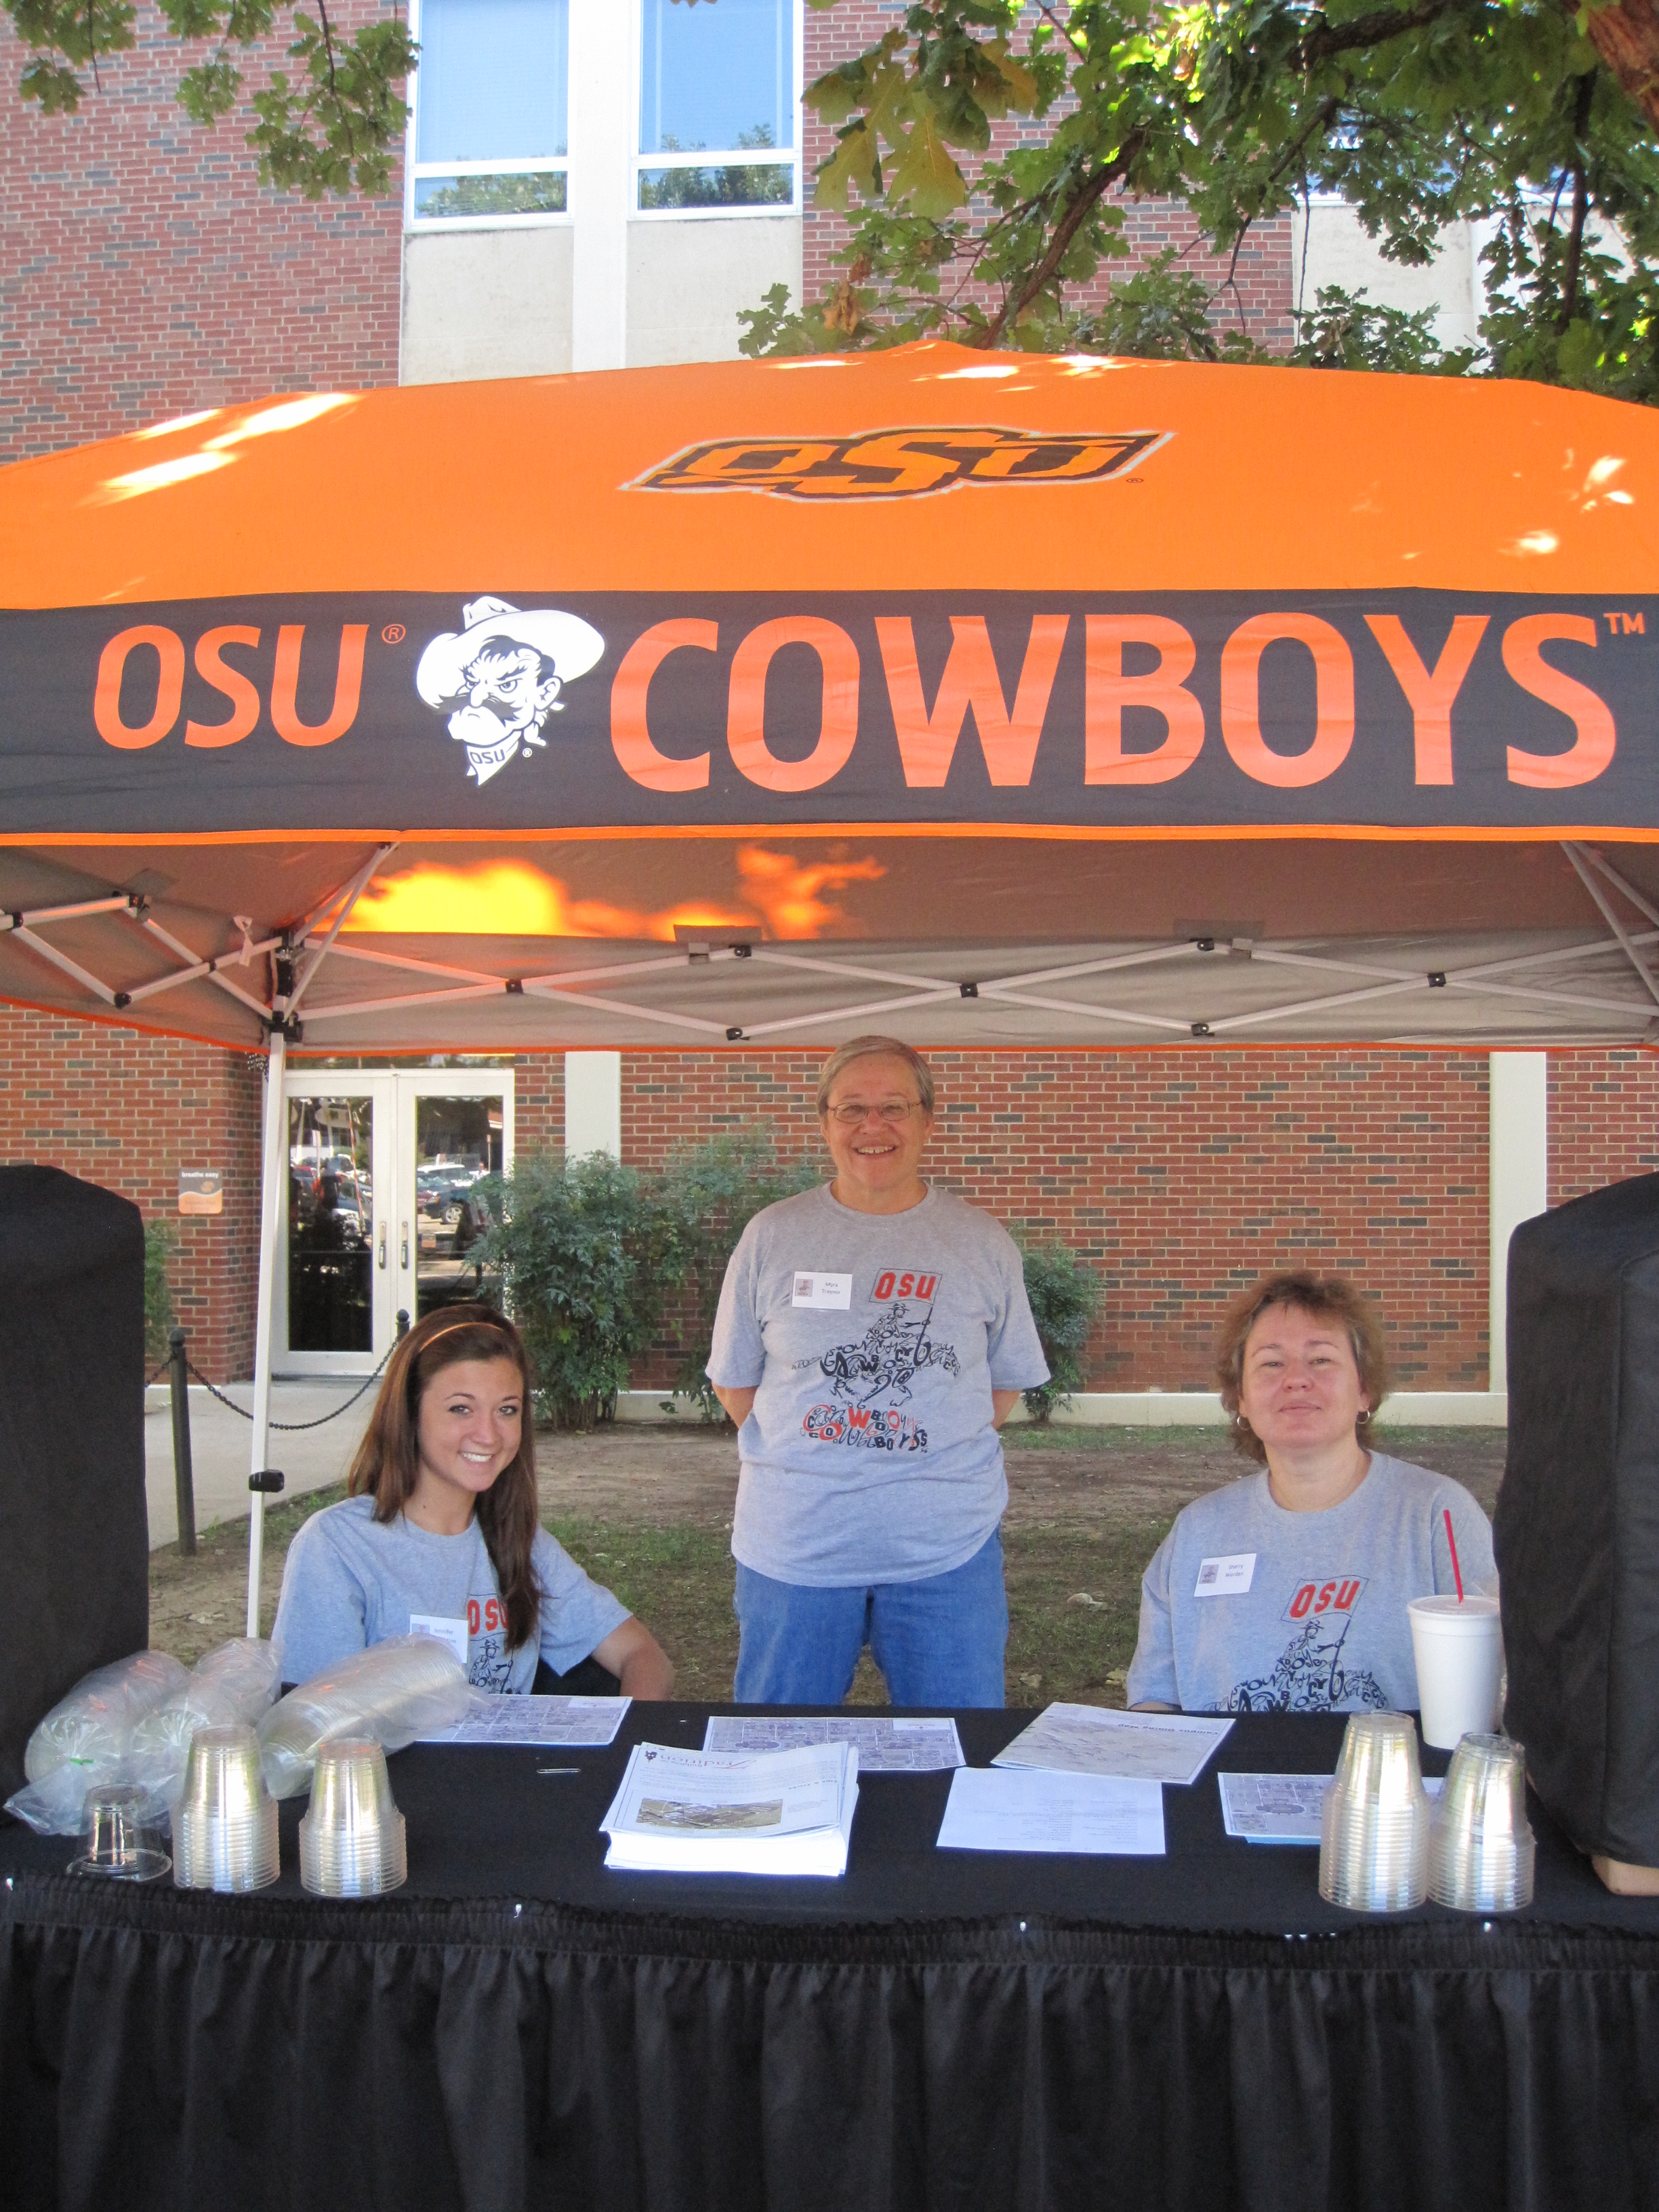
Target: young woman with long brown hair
point(440, 1533)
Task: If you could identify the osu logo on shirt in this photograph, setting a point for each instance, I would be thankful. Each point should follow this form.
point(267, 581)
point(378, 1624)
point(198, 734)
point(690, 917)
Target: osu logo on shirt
point(899, 463)
point(1340, 1594)
point(490, 1616)
point(912, 1283)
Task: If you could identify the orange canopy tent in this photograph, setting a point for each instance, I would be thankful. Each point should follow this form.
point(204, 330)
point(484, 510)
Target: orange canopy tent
point(1010, 699)
point(993, 667)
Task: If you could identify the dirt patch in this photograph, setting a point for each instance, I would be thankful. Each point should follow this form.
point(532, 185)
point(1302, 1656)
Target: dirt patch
point(689, 1476)
point(196, 1603)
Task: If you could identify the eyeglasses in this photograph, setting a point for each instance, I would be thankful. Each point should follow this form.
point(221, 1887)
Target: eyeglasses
point(893, 1113)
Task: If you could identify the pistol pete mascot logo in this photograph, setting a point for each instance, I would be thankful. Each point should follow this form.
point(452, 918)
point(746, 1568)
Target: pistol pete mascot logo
point(884, 1363)
point(499, 676)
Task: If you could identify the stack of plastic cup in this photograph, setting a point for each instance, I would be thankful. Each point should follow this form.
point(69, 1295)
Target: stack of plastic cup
point(352, 1839)
point(224, 1830)
point(1481, 1854)
point(120, 1836)
point(1374, 1831)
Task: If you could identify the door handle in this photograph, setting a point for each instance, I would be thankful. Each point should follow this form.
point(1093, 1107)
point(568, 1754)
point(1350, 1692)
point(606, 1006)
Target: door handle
point(382, 1252)
point(404, 1261)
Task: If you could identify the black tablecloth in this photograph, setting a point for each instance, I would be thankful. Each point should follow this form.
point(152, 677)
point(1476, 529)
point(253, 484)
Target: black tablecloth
point(518, 2026)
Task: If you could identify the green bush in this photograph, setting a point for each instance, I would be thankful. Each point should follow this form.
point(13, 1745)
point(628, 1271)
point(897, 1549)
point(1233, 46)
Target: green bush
point(592, 1254)
point(160, 1245)
point(588, 1255)
point(1065, 1297)
point(711, 1194)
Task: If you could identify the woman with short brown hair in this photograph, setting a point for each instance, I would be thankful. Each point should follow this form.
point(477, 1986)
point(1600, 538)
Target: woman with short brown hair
point(1287, 1591)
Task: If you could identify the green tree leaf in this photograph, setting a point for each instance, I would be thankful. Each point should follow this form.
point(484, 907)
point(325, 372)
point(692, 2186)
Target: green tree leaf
point(853, 162)
point(925, 174)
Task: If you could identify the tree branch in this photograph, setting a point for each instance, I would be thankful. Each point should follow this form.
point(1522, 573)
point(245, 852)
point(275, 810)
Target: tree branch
point(1626, 36)
point(1064, 231)
point(1318, 123)
point(1581, 116)
point(328, 44)
point(1373, 30)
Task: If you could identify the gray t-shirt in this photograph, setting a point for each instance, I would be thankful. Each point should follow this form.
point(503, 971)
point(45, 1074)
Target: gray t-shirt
point(876, 1340)
point(351, 1581)
point(1321, 1625)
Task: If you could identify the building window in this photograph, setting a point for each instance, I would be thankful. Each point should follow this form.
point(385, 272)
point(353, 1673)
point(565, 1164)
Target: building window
point(718, 127)
point(490, 94)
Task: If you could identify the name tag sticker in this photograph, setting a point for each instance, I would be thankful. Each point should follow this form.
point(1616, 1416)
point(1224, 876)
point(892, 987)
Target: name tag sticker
point(445, 1631)
point(825, 1293)
point(1227, 1578)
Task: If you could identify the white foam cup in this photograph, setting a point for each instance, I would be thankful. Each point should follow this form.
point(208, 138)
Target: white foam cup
point(1458, 1644)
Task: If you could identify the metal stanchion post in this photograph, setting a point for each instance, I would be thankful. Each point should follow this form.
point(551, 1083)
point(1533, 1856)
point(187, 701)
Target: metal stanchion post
point(403, 1322)
point(184, 1483)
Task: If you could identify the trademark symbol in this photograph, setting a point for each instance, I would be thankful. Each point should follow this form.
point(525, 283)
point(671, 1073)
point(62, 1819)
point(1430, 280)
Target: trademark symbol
point(1623, 625)
point(394, 633)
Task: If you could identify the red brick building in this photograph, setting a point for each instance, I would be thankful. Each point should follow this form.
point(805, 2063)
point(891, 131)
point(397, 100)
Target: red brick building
point(1176, 1174)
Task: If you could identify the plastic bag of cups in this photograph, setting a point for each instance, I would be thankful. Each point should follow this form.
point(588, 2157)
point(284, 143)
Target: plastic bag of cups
point(407, 1686)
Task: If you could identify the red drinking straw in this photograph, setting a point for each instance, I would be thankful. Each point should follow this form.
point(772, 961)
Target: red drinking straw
point(1457, 1572)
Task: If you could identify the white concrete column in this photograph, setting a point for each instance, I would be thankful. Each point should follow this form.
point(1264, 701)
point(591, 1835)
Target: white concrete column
point(603, 34)
point(1519, 1155)
point(593, 1104)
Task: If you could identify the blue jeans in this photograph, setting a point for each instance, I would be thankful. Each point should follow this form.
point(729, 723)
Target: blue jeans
point(938, 1642)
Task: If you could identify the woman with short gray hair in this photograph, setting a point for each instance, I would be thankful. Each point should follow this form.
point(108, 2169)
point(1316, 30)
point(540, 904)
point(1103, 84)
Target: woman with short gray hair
point(872, 1335)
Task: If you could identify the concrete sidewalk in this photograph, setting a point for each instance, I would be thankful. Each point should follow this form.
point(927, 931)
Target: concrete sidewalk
point(220, 1444)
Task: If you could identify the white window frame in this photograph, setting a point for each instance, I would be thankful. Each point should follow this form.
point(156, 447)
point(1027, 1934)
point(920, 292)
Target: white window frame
point(742, 157)
point(394, 1234)
point(443, 225)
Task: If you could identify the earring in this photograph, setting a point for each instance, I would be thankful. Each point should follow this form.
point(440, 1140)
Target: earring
point(1364, 1416)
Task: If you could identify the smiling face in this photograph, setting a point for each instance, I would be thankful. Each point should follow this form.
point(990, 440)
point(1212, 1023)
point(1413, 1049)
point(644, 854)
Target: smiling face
point(875, 1128)
point(468, 1430)
point(1300, 1388)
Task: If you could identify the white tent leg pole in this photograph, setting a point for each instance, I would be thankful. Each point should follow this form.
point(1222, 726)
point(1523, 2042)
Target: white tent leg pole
point(274, 1162)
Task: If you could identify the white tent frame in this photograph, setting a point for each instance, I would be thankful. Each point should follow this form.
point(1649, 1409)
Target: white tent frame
point(1534, 978)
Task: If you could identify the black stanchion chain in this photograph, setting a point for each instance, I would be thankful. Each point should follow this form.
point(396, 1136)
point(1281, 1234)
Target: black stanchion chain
point(288, 1427)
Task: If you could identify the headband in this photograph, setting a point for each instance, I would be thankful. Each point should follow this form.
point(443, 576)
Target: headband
point(496, 1321)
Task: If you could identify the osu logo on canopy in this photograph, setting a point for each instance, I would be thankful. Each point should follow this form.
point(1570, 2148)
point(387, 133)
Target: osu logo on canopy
point(894, 464)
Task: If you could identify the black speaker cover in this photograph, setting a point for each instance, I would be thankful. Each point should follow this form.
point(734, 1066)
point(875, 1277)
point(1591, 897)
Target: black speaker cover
point(74, 1534)
point(1577, 1528)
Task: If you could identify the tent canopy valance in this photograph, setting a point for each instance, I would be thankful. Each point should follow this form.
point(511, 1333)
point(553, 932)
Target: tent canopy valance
point(1017, 700)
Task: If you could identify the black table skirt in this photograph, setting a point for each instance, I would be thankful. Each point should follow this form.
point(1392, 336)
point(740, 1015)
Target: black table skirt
point(517, 2027)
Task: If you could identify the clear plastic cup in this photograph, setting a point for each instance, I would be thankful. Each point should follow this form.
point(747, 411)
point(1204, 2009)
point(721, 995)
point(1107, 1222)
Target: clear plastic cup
point(224, 1828)
point(1482, 1855)
point(1374, 1825)
point(352, 1839)
point(120, 1836)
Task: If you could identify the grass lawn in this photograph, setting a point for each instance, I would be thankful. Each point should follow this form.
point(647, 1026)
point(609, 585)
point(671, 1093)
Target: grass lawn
point(1073, 1601)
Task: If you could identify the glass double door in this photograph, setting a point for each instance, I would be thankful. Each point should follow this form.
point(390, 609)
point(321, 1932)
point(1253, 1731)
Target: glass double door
point(383, 1214)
